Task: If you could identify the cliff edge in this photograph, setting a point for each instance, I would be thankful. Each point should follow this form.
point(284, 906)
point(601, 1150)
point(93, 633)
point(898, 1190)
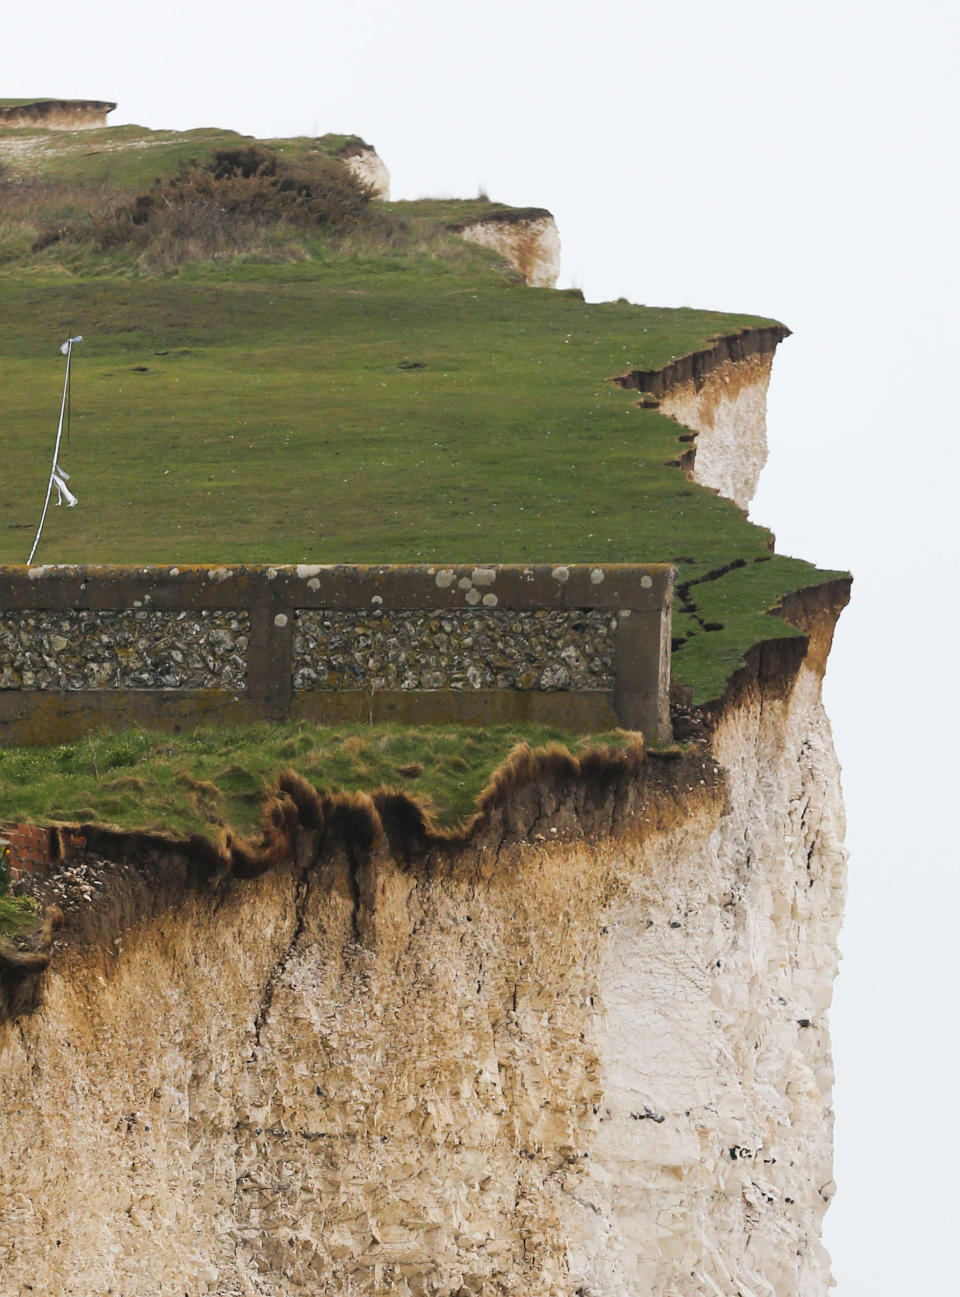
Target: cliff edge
point(580, 1047)
point(55, 114)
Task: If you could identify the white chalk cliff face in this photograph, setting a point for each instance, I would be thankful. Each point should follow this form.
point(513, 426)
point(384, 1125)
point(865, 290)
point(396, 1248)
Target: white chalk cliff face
point(371, 169)
point(728, 411)
point(531, 246)
point(710, 1169)
point(572, 1060)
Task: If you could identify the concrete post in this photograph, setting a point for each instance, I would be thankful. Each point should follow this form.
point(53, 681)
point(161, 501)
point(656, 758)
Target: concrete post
point(642, 689)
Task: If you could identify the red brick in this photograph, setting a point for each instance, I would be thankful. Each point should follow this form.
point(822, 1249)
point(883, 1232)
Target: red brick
point(30, 847)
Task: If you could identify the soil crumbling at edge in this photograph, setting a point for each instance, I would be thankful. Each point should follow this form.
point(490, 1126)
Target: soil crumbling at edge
point(125, 878)
point(128, 877)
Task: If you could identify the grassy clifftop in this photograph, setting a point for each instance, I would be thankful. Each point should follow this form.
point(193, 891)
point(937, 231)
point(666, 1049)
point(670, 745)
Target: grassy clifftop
point(371, 389)
point(129, 158)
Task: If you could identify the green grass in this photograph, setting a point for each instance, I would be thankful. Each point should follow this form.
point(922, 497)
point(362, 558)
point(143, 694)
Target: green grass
point(192, 782)
point(391, 396)
point(269, 417)
point(130, 158)
point(461, 211)
point(17, 914)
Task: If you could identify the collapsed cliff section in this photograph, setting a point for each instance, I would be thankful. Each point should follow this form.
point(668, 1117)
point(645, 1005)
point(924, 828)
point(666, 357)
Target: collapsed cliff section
point(579, 1048)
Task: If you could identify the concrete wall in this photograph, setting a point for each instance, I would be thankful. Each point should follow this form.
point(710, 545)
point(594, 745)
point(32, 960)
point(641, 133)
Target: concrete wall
point(580, 646)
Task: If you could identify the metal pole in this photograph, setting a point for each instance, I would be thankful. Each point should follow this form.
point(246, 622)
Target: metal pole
point(68, 346)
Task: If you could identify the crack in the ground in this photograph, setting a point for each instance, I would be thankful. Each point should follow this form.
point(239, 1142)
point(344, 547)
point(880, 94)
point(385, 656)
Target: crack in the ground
point(280, 965)
point(687, 603)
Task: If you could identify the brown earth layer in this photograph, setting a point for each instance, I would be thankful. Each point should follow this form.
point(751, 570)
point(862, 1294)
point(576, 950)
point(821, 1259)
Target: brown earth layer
point(504, 216)
point(814, 611)
point(695, 367)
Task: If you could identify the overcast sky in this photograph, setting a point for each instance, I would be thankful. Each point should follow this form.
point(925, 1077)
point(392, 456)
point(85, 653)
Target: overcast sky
point(791, 159)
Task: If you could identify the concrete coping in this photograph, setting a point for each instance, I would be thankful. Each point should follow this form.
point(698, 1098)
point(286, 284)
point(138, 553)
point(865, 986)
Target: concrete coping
point(644, 587)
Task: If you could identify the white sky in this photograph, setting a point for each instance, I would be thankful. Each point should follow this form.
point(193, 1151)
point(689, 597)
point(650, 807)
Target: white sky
point(791, 159)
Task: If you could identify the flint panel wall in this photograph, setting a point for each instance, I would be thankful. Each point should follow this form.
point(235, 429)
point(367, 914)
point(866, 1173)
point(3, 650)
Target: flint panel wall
point(579, 646)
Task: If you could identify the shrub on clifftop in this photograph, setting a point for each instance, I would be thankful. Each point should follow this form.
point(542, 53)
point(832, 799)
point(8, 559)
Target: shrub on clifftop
point(242, 201)
point(254, 182)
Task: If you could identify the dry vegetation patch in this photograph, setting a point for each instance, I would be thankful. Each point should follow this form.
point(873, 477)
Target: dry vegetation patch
point(242, 201)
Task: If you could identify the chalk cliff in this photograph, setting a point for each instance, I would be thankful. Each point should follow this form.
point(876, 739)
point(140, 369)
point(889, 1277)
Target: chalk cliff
point(581, 1050)
point(529, 240)
point(721, 396)
point(369, 167)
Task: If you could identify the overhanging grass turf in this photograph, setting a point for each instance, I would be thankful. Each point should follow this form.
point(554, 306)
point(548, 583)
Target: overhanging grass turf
point(192, 782)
